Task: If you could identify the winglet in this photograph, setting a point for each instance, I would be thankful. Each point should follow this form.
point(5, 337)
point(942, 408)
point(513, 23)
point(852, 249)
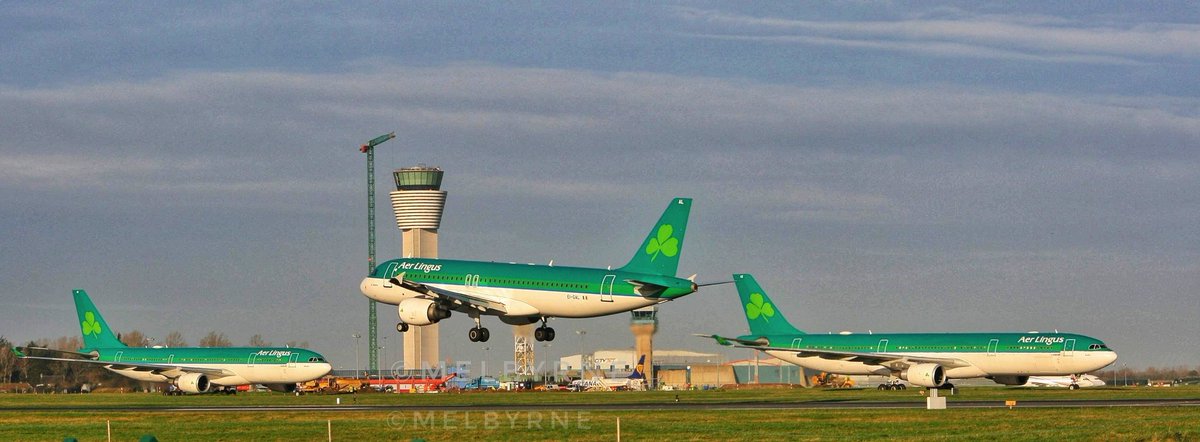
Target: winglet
point(18, 353)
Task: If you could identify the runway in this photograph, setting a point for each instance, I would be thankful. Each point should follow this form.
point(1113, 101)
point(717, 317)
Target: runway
point(754, 405)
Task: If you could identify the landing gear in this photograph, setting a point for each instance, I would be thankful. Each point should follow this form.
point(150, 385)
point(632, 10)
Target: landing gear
point(479, 333)
point(543, 333)
point(401, 327)
point(1073, 386)
point(892, 384)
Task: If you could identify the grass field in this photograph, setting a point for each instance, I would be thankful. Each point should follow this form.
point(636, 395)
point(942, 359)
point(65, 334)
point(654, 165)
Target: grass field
point(40, 417)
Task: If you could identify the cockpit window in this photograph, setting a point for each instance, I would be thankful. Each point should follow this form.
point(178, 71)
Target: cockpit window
point(316, 359)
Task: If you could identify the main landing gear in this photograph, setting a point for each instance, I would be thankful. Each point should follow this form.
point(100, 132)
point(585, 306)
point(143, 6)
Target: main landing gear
point(479, 333)
point(543, 333)
point(401, 327)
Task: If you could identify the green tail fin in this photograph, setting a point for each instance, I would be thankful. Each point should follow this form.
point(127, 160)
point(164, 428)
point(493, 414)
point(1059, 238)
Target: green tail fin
point(96, 333)
point(659, 254)
point(761, 314)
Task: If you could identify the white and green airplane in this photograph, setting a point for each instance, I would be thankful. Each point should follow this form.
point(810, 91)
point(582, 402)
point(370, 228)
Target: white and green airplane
point(426, 290)
point(923, 359)
point(191, 369)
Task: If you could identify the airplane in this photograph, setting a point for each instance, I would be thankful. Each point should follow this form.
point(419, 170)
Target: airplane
point(189, 369)
point(924, 359)
point(1072, 382)
point(635, 381)
point(427, 290)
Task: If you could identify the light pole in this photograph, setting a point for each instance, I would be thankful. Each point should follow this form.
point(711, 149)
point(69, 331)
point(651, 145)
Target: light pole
point(372, 325)
point(387, 366)
point(357, 365)
point(582, 365)
point(546, 352)
point(1125, 372)
point(484, 363)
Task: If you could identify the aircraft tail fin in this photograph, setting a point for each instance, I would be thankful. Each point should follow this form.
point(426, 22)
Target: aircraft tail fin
point(659, 253)
point(96, 333)
point(761, 314)
point(639, 370)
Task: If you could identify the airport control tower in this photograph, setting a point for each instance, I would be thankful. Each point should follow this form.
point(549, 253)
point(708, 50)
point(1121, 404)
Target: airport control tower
point(643, 324)
point(418, 202)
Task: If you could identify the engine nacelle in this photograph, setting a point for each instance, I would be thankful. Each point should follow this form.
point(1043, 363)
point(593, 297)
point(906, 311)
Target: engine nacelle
point(417, 311)
point(193, 383)
point(1010, 380)
point(282, 388)
point(925, 375)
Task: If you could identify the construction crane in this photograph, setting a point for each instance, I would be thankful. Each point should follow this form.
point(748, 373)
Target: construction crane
point(372, 332)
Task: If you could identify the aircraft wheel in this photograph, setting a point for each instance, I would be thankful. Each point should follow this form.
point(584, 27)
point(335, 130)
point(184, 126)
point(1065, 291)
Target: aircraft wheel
point(401, 327)
point(484, 334)
point(1074, 386)
point(901, 387)
point(539, 334)
point(549, 334)
point(474, 334)
point(883, 387)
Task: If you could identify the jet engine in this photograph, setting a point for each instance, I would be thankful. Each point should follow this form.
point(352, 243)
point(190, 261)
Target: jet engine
point(1010, 380)
point(417, 311)
point(193, 383)
point(925, 375)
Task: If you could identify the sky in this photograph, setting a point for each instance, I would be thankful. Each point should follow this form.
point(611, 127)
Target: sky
point(878, 166)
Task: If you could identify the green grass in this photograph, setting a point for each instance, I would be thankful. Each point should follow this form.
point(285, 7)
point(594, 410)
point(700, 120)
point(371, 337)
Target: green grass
point(1173, 423)
point(1018, 424)
point(614, 398)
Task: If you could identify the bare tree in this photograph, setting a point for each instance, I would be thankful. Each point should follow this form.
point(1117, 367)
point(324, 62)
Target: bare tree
point(174, 339)
point(134, 338)
point(258, 341)
point(214, 339)
point(8, 361)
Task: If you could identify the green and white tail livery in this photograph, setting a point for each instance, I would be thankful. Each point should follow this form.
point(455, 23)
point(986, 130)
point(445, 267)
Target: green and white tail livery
point(659, 253)
point(96, 333)
point(761, 313)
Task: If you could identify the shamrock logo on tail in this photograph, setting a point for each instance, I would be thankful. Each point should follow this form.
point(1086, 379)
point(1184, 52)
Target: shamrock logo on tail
point(90, 325)
point(758, 307)
point(663, 243)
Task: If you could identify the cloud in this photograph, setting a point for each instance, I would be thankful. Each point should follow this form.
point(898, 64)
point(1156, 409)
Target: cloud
point(1045, 39)
point(571, 133)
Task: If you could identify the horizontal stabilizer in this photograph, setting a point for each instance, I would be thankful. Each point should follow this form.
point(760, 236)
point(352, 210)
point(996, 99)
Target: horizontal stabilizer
point(731, 341)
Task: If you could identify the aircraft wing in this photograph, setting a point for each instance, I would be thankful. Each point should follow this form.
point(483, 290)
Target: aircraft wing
point(892, 361)
point(460, 297)
point(168, 370)
point(469, 299)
